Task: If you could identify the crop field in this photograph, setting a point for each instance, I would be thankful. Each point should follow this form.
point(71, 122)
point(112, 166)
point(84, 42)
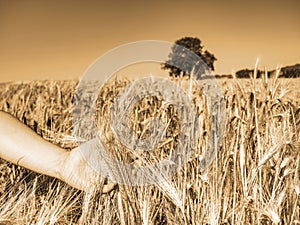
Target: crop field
point(254, 179)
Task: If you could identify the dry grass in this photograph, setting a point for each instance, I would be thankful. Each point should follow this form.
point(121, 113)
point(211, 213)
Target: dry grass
point(255, 178)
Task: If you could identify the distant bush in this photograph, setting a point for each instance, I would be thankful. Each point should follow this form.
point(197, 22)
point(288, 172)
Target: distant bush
point(290, 71)
point(285, 72)
point(246, 73)
point(223, 76)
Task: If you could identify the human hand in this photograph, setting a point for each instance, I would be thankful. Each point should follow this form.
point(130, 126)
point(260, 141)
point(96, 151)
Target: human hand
point(77, 172)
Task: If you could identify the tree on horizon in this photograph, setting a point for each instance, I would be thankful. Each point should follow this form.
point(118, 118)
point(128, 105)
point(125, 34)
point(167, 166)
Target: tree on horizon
point(184, 55)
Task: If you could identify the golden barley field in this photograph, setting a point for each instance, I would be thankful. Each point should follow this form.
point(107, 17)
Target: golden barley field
point(254, 179)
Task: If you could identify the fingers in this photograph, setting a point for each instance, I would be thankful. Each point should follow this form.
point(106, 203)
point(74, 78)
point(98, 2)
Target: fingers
point(78, 174)
point(93, 182)
point(108, 187)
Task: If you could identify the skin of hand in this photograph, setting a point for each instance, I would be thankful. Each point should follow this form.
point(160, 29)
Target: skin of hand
point(79, 174)
point(22, 146)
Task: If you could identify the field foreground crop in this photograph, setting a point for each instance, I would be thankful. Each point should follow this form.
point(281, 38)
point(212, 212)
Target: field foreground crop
point(255, 178)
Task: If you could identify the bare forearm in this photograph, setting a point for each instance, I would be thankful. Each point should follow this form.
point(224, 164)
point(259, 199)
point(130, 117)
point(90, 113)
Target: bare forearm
point(22, 146)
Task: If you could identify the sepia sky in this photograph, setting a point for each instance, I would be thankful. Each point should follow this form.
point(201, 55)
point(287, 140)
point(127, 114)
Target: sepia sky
point(60, 39)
